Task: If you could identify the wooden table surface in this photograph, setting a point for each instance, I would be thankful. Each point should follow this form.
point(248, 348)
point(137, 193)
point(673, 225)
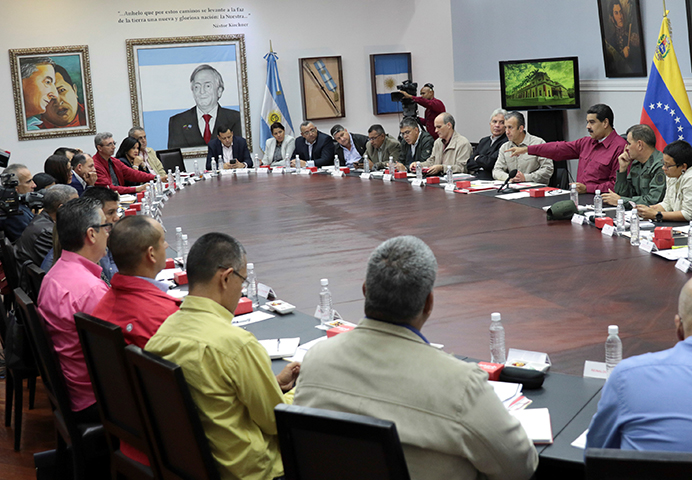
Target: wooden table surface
point(557, 285)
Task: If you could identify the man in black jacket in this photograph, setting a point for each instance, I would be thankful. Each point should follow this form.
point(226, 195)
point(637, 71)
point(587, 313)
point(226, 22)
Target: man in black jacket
point(350, 148)
point(37, 238)
point(416, 144)
point(229, 150)
point(313, 145)
point(484, 156)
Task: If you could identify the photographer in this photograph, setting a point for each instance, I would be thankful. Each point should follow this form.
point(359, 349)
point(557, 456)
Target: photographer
point(433, 107)
point(14, 225)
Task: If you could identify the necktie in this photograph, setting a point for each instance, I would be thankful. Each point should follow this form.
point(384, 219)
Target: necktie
point(114, 177)
point(207, 132)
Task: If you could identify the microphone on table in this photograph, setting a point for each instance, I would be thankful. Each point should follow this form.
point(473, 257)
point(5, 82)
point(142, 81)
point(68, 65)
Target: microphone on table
point(512, 174)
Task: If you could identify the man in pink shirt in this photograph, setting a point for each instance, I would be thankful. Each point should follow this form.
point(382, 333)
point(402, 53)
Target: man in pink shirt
point(598, 154)
point(74, 285)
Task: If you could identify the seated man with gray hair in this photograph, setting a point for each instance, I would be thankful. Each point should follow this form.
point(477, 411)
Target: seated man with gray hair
point(530, 168)
point(450, 421)
point(450, 148)
point(484, 156)
point(37, 238)
point(416, 144)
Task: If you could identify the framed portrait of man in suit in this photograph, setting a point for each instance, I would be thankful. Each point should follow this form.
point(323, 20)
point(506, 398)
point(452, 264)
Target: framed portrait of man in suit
point(52, 92)
point(181, 88)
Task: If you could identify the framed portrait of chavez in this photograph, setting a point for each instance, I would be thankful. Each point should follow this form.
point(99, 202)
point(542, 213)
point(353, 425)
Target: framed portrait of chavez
point(52, 92)
point(621, 38)
point(183, 88)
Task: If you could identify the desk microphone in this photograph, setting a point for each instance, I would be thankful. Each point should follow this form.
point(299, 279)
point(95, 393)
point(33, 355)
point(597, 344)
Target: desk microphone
point(512, 174)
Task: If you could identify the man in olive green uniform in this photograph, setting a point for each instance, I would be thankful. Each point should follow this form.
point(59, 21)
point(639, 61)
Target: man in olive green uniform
point(646, 182)
point(381, 146)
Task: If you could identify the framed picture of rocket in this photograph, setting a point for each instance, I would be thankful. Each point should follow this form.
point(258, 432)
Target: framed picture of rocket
point(322, 88)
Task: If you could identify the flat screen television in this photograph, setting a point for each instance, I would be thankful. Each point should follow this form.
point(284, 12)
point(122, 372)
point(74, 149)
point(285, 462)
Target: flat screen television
point(540, 84)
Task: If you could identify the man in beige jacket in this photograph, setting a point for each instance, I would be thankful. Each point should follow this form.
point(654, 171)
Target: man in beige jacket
point(449, 149)
point(451, 423)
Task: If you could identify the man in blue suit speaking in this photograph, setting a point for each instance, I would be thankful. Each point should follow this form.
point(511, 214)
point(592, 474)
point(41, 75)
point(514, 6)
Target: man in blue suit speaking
point(194, 127)
point(229, 151)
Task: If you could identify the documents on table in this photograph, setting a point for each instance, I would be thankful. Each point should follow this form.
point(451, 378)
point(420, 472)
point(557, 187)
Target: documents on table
point(248, 318)
point(536, 423)
point(510, 395)
point(281, 347)
point(580, 442)
point(303, 349)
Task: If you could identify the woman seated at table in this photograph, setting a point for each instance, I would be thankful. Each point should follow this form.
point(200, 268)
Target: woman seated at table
point(60, 168)
point(278, 147)
point(128, 153)
point(677, 204)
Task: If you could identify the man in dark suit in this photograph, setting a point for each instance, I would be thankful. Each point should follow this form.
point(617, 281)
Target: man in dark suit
point(350, 148)
point(416, 144)
point(485, 154)
point(313, 145)
point(192, 128)
point(229, 150)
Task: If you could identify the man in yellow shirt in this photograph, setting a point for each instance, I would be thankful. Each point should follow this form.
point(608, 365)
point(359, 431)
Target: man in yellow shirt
point(228, 371)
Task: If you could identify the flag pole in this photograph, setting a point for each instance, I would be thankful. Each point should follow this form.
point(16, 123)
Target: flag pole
point(665, 12)
point(271, 49)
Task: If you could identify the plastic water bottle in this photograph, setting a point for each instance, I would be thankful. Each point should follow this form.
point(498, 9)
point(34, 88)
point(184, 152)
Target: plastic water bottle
point(213, 167)
point(337, 165)
point(297, 164)
point(634, 228)
point(613, 348)
point(450, 176)
point(574, 195)
point(419, 172)
point(171, 181)
point(252, 293)
point(178, 184)
point(497, 339)
point(197, 174)
point(391, 166)
point(620, 218)
point(366, 164)
point(326, 307)
point(185, 250)
point(598, 204)
point(257, 163)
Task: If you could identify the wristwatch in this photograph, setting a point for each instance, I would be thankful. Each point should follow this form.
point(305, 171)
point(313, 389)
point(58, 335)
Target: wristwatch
point(659, 217)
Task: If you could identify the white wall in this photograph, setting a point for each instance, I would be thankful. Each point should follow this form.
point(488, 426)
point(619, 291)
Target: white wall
point(302, 28)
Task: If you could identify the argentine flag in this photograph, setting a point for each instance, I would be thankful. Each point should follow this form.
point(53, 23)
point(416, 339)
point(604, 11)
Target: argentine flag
point(390, 71)
point(274, 108)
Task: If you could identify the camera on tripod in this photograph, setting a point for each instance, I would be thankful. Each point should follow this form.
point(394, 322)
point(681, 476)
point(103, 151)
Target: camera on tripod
point(409, 107)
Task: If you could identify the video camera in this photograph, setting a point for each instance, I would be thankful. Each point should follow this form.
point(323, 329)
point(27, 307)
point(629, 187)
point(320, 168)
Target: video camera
point(9, 198)
point(409, 107)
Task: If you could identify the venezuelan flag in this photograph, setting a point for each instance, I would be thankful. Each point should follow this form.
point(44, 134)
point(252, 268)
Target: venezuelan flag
point(666, 105)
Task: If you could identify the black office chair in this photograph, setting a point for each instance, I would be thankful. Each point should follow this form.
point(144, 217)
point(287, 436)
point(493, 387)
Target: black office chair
point(81, 448)
point(9, 265)
point(317, 444)
point(104, 351)
point(171, 158)
point(180, 445)
point(615, 464)
point(19, 365)
point(560, 176)
point(34, 278)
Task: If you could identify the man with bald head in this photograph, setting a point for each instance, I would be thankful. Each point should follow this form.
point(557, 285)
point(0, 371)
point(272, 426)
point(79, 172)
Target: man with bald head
point(645, 403)
point(313, 145)
point(449, 149)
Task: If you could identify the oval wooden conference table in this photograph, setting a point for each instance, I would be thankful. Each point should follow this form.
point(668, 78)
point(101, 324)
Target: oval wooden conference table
point(557, 285)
